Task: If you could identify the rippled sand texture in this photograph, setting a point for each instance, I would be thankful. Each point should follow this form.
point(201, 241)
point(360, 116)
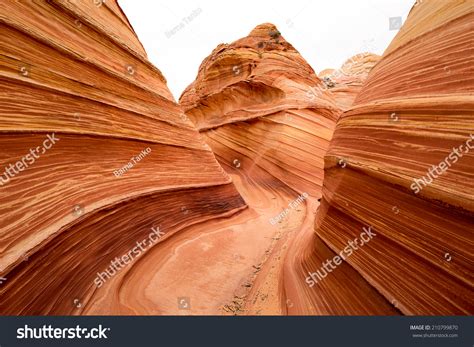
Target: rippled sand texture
point(416, 105)
point(77, 69)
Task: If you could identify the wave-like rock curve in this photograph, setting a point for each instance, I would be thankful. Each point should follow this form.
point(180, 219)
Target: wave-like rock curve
point(96, 154)
point(395, 164)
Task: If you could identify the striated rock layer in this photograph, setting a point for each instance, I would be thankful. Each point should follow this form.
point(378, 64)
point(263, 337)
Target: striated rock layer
point(413, 113)
point(346, 82)
point(97, 158)
point(269, 120)
point(259, 103)
point(94, 153)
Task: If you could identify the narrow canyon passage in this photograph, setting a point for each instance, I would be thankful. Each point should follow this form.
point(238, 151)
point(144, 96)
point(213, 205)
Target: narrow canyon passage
point(213, 266)
point(258, 175)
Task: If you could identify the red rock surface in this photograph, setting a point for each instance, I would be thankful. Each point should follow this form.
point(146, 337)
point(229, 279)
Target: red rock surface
point(221, 178)
point(413, 109)
point(258, 101)
point(77, 69)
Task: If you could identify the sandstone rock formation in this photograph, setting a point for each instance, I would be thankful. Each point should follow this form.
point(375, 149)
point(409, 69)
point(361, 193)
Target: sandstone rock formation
point(269, 120)
point(228, 187)
point(412, 114)
point(126, 160)
point(259, 104)
point(346, 82)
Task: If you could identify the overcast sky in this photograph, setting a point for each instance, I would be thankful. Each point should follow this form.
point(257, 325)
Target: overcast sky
point(179, 34)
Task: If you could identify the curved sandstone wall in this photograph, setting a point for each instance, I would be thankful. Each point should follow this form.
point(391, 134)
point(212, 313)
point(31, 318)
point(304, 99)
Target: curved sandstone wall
point(94, 153)
point(400, 163)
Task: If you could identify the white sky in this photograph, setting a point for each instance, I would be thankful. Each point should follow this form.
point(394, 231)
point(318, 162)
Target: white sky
point(325, 32)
